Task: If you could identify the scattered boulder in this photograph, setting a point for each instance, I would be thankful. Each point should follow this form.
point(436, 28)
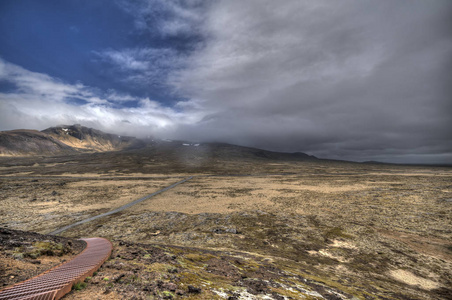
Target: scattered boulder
point(194, 290)
point(223, 230)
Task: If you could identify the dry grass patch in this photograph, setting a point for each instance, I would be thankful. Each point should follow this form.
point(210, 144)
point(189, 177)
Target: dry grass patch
point(411, 279)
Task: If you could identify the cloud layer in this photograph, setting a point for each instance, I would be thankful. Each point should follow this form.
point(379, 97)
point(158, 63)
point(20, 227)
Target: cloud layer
point(39, 101)
point(360, 80)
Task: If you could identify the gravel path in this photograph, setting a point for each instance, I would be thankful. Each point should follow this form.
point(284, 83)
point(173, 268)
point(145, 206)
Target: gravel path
point(58, 231)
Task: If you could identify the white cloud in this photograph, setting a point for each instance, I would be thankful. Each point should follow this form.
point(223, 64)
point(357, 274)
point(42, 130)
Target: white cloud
point(41, 101)
point(142, 66)
point(126, 60)
point(36, 83)
point(179, 17)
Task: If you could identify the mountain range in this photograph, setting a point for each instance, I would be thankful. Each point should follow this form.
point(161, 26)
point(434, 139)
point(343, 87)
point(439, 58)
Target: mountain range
point(77, 139)
point(62, 140)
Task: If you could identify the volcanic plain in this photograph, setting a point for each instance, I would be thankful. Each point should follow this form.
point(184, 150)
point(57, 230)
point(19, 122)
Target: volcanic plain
point(257, 227)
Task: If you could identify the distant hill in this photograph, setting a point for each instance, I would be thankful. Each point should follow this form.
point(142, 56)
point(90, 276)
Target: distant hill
point(63, 140)
point(178, 156)
point(24, 142)
point(73, 139)
point(84, 138)
point(225, 151)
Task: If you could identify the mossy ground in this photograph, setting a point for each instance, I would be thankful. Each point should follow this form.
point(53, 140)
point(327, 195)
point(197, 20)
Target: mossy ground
point(322, 229)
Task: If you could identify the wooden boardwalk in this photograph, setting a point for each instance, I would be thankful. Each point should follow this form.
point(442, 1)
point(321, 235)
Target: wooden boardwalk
point(58, 281)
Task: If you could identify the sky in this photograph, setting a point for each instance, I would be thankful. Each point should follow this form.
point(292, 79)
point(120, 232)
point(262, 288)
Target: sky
point(352, 79)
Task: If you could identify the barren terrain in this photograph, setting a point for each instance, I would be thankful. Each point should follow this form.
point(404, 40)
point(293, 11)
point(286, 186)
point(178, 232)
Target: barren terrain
point(315, 229)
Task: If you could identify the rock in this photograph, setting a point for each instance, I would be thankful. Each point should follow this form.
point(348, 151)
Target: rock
point(225, 230)
point(180, 292)
point(256, 287)
point(159, 284)
point(169, 286)
point(5, 231)
point(193, 290)
point(119, 277)
point(148, 288)
point(277, 296)
point(232, 230)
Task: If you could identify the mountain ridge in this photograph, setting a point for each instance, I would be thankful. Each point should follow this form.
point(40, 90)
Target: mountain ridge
point(77, 139)
point(85, 138)
point(25, 142)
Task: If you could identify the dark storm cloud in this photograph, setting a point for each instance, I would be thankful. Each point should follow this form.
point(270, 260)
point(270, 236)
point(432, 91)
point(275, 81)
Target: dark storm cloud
point(349, 79)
